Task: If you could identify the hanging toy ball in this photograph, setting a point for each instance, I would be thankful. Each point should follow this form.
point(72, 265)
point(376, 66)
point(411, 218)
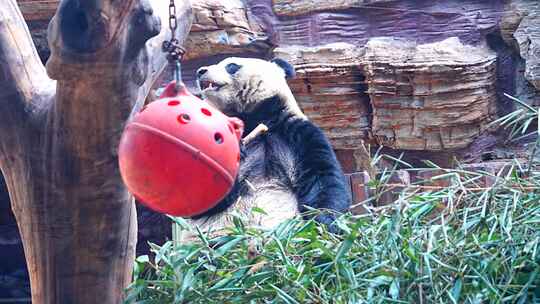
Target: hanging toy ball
point(180, 155)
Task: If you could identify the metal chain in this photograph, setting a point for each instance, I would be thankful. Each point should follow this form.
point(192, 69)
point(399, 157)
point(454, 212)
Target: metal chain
point(172, 47)
point(173, 22)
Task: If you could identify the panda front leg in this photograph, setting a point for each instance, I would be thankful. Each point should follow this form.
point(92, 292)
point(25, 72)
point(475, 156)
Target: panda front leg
point(319, 181)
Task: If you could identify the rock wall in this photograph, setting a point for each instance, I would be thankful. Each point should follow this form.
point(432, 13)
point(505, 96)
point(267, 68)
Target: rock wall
point(330, 87)
point(419, 76)
point(38, 9)
point(435, 96)
point(397, 93)
point(520, 28)
point(297, 8)
point(222, 27)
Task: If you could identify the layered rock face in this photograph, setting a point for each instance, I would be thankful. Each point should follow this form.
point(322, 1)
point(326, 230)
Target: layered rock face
point(221, 27)
point(38, 9)
point(435, 96)
point(295, 8)
point(520, 27)
point(406, 75)
point(396, 93)
point(330, 87)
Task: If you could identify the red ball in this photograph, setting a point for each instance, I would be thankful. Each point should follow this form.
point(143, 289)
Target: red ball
point(180, 155)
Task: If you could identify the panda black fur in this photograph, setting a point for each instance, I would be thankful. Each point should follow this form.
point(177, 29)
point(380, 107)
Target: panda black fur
point(284, 170)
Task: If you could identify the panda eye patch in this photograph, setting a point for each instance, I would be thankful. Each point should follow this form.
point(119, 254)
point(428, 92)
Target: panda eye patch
point(232, 68)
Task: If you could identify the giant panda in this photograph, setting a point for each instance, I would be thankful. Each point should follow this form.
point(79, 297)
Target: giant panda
point(283, 171)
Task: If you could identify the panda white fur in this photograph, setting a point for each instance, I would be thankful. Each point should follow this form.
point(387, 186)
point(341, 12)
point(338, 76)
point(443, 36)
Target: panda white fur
point(282, 171)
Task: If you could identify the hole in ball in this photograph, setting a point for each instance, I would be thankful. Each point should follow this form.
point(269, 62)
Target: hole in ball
point(206, 112)
point(184, 118)
point(218, 138)
point(174, 103)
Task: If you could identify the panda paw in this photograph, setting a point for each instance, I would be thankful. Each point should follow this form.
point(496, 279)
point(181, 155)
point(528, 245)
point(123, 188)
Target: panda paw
point(329, 220)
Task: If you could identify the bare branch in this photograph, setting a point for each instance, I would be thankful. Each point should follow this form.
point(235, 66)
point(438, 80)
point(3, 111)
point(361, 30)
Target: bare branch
point(24, 84)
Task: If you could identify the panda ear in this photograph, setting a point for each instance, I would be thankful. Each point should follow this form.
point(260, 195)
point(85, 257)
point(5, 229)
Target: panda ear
point(287, 67)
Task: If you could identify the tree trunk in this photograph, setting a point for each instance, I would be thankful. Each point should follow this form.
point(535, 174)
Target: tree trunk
point(58, 139)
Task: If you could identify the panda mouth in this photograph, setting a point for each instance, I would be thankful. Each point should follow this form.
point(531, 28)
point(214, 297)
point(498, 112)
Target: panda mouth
point(209, 85)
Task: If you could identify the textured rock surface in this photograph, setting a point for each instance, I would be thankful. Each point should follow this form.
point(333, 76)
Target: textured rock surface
point(419, 20)
point(38, 9)
point(222, 27)
point(520, 28)
point(309, 24)
point(514, 13)
point(527, 36)
point(330, 88)
point(419, 97)
point(431, 96)
point(301, 7)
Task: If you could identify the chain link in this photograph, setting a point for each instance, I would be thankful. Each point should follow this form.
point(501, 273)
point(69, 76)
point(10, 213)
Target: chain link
point(172, 47)
point(173, 22)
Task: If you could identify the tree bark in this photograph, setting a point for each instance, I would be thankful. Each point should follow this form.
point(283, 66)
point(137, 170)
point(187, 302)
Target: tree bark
point(58, 139)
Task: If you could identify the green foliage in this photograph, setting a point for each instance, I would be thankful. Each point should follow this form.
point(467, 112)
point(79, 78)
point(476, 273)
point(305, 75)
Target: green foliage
point(482, 248)
point(466, 243)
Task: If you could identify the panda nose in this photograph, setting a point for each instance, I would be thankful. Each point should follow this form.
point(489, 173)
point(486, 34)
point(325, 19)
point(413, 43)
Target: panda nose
point(201, 72)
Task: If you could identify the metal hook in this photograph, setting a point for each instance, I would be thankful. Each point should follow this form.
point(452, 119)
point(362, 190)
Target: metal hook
point(178, 75)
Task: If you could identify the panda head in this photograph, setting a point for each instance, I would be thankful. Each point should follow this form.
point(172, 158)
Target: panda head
point(239, 84)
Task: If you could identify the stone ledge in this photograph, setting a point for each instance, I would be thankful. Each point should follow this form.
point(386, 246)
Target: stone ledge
point(222, 27)
point(38, 9)
point(520, 28)
point(302, 7)
point(396, 93)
